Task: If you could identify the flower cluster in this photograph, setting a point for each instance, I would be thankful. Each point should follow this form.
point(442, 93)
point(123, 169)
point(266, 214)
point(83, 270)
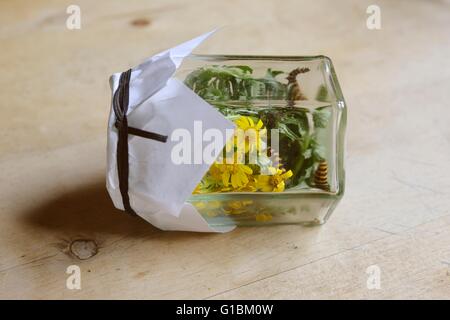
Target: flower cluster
point(236, 175)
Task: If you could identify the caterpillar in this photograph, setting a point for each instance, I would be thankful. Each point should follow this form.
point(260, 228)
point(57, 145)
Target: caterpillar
point(321, 176)
point(294, 92)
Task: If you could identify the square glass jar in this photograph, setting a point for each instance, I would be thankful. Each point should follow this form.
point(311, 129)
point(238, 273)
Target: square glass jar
point(301, 98)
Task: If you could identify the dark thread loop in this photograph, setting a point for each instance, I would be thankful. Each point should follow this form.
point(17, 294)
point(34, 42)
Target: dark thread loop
point(120, 107)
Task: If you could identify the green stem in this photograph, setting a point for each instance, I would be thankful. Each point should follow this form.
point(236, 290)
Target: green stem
point(298, 166)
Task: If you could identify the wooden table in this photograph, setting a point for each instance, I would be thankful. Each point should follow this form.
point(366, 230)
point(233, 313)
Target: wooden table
point(55, 100)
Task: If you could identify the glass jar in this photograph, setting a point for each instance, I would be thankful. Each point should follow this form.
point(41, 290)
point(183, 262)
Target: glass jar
point(299, 98)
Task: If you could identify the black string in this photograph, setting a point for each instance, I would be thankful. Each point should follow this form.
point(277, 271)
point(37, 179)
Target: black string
point(120, 106)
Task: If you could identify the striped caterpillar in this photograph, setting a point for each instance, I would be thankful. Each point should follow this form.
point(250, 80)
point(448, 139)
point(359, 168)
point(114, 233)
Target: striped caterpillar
point(321, 176)
point(294, 92)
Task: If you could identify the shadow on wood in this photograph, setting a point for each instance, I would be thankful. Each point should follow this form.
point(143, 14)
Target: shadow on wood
point(84, 221)
point(87, 210)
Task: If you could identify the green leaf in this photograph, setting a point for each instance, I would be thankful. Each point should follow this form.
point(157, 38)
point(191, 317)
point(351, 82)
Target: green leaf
point(245, 68)
point(322, 93)
point(235, 82)
point(321, 118)
point(307, 153)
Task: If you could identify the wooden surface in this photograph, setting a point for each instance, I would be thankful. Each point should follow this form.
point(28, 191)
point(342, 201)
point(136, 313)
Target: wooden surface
point(55, 101)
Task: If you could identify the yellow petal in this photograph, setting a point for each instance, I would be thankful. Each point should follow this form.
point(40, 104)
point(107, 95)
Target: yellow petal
point(234, 180)
point(280, 187)
point(242, 122)
point(225, 178)
point(287, 174)
point(259, 124)
point(262, 180)
point(247, 169)
point(244, 179)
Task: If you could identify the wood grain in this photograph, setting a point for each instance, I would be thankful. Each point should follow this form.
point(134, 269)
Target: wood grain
point(55, 102)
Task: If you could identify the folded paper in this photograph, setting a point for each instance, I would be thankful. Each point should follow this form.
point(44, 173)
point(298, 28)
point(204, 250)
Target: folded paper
point(158, 186)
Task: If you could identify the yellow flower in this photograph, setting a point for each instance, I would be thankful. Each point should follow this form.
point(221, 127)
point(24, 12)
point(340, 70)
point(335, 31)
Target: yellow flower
point(248, 135)
point(211, 182)
point(227, 177)
point(213, 178)
point(245, 123)
point(250, 186)
point(275, 181)
point(235, 174)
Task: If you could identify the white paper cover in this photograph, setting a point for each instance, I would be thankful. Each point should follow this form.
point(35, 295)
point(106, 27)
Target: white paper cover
point(158, 187)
